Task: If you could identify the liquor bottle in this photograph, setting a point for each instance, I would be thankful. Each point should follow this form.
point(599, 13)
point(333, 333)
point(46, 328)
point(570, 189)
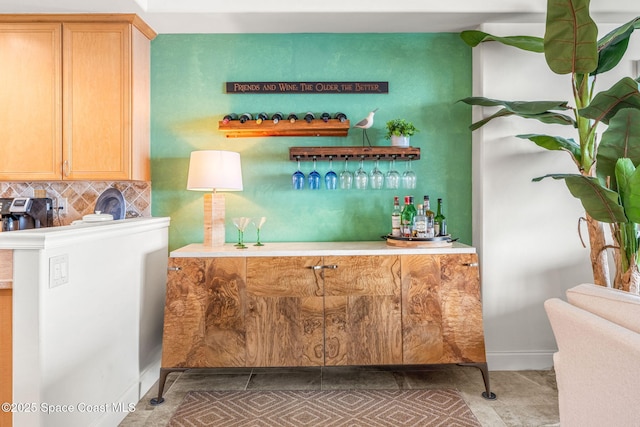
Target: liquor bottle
point(395, 218)
point(309, 117)
point(430, 217)
point(440, 222)
point(245, 116)
point(406, 217)
point(325, 117)
point(341, 116)
point(261, 117)
point(292, 117)
point(420, 223)
point(231, 116)
point(277, 117)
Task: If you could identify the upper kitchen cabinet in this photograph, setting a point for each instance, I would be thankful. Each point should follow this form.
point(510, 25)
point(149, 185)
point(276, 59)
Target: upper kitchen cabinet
point(77, 105)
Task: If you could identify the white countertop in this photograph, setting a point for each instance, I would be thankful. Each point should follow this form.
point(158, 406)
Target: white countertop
point(39, 238)
point(198, 250)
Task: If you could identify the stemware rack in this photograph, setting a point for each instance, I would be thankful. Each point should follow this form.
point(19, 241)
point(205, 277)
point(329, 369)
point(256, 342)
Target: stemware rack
point(356, 152)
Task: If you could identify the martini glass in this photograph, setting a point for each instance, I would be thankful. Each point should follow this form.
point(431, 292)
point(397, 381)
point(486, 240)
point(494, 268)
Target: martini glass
point(393, 176)
point(346, 176)
point(259, 222)
point(409, 177)
point(314, 177)
point(376, 176)
point(298, 178)
point(330, 178)
point(241, 224)
point(361, 176)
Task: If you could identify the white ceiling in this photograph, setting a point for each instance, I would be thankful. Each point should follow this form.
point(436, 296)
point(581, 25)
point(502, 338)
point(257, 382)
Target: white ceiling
point(294, 16)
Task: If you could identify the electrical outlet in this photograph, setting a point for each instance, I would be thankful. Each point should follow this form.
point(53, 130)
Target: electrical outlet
point(62, 205)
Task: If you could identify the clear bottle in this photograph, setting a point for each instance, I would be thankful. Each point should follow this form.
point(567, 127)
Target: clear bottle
point(395, 217)
point(277, 117)
point(407, 215)
point(245, 116)
point(430, 217)
point(231, 116)
point(420, 223)
point(309, 117)
point(292, 117)
point(325, 117)
point(261, 117)
point(341, 116)
point(440, 221)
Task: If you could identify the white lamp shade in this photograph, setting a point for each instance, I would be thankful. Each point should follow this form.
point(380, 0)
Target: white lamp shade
point(213, 170)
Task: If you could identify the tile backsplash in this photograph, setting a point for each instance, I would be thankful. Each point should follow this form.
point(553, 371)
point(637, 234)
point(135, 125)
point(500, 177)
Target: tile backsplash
point(82, 195)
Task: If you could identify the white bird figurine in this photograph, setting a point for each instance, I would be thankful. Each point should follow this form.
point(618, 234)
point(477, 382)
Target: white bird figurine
point(365, 124)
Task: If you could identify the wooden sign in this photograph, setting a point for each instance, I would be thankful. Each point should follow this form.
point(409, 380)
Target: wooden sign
point(307, 87)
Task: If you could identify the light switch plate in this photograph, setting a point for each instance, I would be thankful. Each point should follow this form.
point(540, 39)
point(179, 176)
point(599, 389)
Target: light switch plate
point(58, 270)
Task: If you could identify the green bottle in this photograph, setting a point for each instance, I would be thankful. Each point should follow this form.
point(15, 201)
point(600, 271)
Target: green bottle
point(406, 217)
point(440, 222)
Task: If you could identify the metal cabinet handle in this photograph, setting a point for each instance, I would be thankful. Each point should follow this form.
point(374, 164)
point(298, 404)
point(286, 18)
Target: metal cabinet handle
point(320, 267)
point(470, 264)
point(174, 268)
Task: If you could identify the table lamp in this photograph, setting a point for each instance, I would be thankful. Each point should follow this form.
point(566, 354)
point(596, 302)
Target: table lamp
point(213, 171)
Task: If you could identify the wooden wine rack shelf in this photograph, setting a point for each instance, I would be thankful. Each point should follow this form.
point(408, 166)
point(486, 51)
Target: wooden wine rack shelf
point(357, 152)
point(235, 129)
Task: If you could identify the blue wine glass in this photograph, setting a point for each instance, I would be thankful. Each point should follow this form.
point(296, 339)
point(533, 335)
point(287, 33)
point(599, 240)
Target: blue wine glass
point(330, 178)
point(298, 178)
point(314, 177)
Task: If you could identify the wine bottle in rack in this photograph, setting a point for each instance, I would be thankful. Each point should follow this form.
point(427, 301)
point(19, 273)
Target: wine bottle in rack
point(341, 116)
point(231, 116)
point(245, 116)
point(293, 117)
point(325, 117)
point(276, 117)
point(261, 117)
point(309, 117)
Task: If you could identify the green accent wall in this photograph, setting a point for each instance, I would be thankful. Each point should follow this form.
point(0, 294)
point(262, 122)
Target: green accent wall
point(427, 74)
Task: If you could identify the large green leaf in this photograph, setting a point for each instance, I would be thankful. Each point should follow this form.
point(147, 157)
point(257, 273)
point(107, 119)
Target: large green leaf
point(621, 139)
point(600, 202)
point(556, 143)
point(533, 44)
point(624, 94)
point(628, 178)
point(570, 38)
point(612, 47)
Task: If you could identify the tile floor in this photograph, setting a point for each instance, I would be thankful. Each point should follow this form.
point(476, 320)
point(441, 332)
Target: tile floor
point(524, 398)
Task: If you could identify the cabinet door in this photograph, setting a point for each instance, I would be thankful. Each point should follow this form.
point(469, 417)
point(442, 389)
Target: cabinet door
point(362, 310)
point(204, 313)
point(97, 101)
point(441, 309)
point(30, 107)
point(284, 312)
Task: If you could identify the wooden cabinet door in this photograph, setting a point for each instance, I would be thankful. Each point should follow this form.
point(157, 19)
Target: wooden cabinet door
point(204, 313)
point(284, 313)
point(30, 107)
point(441, 309)
point(97, 101)
point(362, 310)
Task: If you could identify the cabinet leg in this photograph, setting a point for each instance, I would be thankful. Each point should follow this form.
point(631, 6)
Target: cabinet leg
point(161, 382)
point(487, 394)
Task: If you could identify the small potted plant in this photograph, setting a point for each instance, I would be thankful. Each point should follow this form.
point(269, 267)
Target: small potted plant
point(399, 132)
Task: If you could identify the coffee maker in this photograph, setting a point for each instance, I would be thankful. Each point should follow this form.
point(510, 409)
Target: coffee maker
point(23, 213)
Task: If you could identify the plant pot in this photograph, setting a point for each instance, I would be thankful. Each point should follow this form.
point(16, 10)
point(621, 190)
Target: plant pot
point(400, 141)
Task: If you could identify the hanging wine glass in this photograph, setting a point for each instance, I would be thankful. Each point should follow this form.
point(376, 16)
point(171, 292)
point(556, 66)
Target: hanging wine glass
point(241, 224)
point(259, 222)
point(330, 178)
point(361, 176)
point(392, 179)
point(376, 176)
point(409, 177)
point(314, 177)
point(298, 178)
point(346, 176)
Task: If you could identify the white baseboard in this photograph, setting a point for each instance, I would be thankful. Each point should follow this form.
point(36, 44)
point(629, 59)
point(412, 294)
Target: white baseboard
point(150, 374)
point(519, 360)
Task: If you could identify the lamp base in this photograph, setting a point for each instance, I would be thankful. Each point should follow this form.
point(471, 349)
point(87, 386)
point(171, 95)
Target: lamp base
point(214, 208)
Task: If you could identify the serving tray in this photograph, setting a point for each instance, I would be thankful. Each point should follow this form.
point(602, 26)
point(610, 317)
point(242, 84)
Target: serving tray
point(419, 242)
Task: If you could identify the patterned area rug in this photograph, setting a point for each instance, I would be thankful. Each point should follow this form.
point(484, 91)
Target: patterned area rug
point(330, 408)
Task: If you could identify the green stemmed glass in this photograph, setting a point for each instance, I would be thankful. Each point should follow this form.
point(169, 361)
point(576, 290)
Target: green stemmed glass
point(259, 222)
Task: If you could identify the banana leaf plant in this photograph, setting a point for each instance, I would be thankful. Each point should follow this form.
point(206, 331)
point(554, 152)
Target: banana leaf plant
point(606, 181)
